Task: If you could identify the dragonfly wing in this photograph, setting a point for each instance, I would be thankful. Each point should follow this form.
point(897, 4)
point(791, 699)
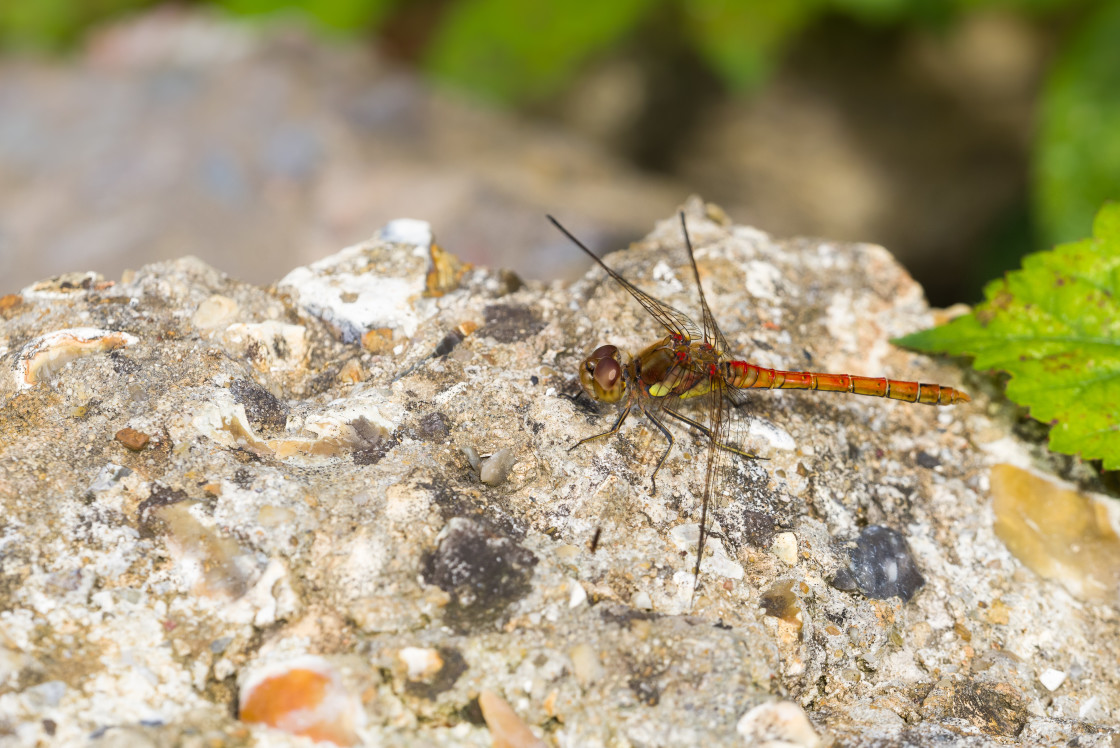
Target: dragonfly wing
point(737, 396)
point(719, 437)
point(675, 322)
point(712, 334)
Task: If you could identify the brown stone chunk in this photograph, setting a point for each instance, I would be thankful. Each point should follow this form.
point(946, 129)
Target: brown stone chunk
point(133, 439)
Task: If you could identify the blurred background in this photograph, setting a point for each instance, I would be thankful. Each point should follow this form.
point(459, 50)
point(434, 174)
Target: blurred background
point(263, 134)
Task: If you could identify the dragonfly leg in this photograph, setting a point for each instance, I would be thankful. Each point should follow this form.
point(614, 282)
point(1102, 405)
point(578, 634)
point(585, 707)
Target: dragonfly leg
point(665, 431)
point(708, 433)
point(612, 430)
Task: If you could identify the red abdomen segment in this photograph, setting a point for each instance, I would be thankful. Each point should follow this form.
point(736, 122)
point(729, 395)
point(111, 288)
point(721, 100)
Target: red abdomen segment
point(745, 376)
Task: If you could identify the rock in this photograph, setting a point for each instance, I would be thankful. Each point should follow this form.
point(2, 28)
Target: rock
point(1058, 532)
point(319, 523)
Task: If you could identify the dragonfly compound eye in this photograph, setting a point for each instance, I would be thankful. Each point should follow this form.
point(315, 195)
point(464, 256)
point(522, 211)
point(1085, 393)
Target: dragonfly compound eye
point(607, 372)
point(603, 351)
point(600, 374)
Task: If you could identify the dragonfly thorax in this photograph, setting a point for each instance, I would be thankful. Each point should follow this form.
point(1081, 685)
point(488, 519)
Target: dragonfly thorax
point(602, 374)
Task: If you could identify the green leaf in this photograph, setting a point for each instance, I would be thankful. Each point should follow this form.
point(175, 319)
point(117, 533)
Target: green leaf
point(1054, 326)
point(1077, 162)
point(514, 50)
point(741, 39)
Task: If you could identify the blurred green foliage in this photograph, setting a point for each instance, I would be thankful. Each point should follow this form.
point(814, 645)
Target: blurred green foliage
point(345, 16)
point(56, 25)
point(517, 52)
point(514, 50)
point(1077, 155)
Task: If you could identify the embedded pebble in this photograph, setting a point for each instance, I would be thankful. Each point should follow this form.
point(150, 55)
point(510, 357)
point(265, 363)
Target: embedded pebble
point(216, 311)
point(778, 724)
point(577, 595)
point(379, 340)
point(586, 665)
point(303, 696)
point(421, 663)
point(1052, 679)
point(47, 354)
point(351, 372)
point(109, 476)
point(133, 439)
point(780, 601)
point(211, 564)
point(507, 729)
point(342, 291)
point(9, 302)
point(775, 436)
point(495, 468)
point(716, 561)
point(472, 457)
point(882, 566)
point(784, 546)
point(65, 286)
point(269, 345)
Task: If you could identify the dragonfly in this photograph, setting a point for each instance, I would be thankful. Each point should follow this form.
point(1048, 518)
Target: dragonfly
point(693, 362)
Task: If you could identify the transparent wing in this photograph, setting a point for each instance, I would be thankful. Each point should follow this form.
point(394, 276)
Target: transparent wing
point(674, 321)
point(719, 425)
point(712, 334)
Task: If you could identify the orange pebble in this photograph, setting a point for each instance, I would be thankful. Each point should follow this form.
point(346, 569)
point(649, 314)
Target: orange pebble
point(304, 697)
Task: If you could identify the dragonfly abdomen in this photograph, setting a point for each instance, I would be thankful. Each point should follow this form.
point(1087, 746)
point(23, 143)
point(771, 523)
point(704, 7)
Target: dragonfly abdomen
point(747, 376)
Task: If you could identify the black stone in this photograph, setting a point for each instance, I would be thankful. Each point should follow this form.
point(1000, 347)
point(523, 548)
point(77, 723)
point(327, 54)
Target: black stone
point(881, 566)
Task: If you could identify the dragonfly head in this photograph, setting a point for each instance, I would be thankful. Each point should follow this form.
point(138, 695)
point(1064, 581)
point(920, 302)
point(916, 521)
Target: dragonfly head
point(601, 374)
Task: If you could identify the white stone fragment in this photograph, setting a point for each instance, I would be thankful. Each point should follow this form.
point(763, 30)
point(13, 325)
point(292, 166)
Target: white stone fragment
point(407, 231)
point(641, 600)
point(335, 420)
point(355, 302)
point(778, 724)
point(496, 467)
point(271, 345)
point(577, 595)
point(587, 665)
point(342, 290)
point(776, 437)
point(339, 427)
point(784, 546)
point(216, 311)
point(420, 662)
point(687, 537)
point(47, 694)
point(1052, 679)
point(48, 353)
point(285, 603)
point(108, 477)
